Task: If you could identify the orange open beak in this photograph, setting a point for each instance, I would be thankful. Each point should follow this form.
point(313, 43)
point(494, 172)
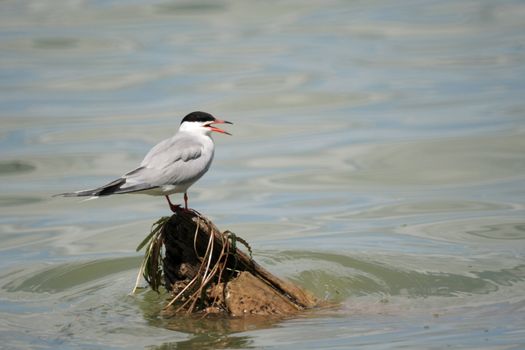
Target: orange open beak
point(219, 121)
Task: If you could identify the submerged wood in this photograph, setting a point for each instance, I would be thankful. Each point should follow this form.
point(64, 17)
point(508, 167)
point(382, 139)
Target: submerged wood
point(207, 273)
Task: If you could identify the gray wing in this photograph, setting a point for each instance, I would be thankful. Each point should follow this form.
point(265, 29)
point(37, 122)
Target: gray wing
point(180, 147)
point(113, 187)
point(177, 160)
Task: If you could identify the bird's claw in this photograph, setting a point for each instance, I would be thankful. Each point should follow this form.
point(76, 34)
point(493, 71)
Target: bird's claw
point(177, 208)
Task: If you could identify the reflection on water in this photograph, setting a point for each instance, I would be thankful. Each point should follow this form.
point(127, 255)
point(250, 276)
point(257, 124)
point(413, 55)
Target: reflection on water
point(446, 162)
point(377, 160)
point(66, 276)
point(501, 231)
point(13, 167)
point(484, 231)
point(210, 341)
point(435, 206)
point(340, 277)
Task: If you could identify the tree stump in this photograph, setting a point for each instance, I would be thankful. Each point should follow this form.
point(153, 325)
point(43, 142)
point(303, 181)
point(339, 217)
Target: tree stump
point(207, 273)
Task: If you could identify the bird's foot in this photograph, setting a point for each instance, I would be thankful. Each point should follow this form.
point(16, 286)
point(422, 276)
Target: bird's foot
point(177, 208)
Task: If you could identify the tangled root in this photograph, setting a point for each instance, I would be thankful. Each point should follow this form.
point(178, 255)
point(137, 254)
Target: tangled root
point(207, 273)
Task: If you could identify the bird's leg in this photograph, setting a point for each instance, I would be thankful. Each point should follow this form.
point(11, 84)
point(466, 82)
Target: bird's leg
point(186, 200)
point(174, 207)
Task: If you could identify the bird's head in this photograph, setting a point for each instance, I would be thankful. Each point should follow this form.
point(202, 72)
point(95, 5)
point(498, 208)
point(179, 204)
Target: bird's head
point(202, 122)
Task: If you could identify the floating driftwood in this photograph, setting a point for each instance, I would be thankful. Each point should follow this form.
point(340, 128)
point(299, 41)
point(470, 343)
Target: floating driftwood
point(207, 273)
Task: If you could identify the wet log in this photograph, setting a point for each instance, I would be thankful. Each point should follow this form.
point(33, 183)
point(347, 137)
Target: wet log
point(206, 272)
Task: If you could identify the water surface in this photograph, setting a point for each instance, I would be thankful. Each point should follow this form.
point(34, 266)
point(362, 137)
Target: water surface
point(377, 160)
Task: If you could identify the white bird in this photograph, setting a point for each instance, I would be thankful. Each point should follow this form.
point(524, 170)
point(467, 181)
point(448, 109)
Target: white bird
point(172, 166)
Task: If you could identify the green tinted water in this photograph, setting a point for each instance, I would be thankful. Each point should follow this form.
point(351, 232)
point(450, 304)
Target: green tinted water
point(377, 160)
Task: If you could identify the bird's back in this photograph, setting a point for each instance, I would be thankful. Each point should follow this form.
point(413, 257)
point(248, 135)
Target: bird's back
point(179, 160)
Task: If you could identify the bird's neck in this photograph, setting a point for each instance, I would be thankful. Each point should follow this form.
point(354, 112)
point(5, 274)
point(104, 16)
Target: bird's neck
point(204, 138)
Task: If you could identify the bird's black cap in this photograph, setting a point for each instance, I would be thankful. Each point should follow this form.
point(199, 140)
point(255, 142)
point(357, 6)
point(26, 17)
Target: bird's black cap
point(198, 117)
